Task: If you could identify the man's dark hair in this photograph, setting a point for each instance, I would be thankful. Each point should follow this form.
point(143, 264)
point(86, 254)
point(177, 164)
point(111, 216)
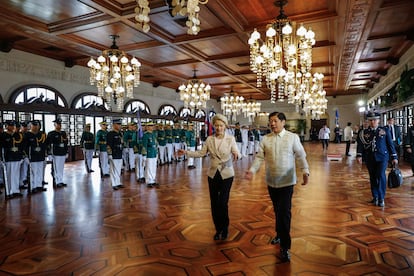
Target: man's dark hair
point(280, 115)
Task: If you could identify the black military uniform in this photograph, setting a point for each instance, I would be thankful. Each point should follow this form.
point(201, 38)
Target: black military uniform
point(87, 142)
point(12, 144)
point(114, 143)
point(409, 146)
point(36, 153)
point(57, 142)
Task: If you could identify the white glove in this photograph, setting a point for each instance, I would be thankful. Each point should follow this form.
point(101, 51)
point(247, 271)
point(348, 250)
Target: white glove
point(110, 157)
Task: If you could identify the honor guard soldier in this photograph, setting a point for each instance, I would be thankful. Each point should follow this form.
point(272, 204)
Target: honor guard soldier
point(191, 143)
point(150, 151)
point(57, 142)
point(36, 151)
point(12, 154)
point(114, 143)
point(169, 140)
point(238, 136)
point(176, 140)
point(162, 145)
point(1, 156)
point(130, 142)
point(87, 143)
point(375, 143)
point(24, 167)
point(140, 161)
point(100, 147)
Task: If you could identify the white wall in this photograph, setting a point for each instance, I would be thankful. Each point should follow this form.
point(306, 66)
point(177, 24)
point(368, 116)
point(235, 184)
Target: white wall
point(19, 68)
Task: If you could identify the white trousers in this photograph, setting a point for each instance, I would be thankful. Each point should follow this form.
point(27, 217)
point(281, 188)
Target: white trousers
point(13, 176)
point(115, 166)
point(58, 167)
point(103, 160)
point(162, 154)
point(191, 159)
point(131, 158)
point(88, 155)
point(23, 170)
point(140, 166)
point(37, 173)
point(169, 152)
point(151, 170)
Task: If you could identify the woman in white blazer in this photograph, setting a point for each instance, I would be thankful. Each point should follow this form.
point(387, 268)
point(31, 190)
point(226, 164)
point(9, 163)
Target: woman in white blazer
point(222, 150)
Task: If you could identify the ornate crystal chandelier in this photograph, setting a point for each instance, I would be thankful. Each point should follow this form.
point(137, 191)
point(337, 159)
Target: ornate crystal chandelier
point(284, 59)
point(189, 8)
point(195, 93)
point(311, 97)
point(114, 75)
point(251, 108)
point(232, 105)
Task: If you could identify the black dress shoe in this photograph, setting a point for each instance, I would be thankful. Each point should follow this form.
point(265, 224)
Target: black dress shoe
point(35, 190)
point(150, 185)
point(381, 203)
point(17, 195)
point(121, 186)
point(216, 236)
point(275, 240)
point(374, 201)
point(224, 234)
point(115, 188)
point(284, 255)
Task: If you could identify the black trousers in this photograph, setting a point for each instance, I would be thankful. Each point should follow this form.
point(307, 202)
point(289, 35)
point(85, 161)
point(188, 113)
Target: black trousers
point(219, 197)
point(282, 205)
point(348, 146)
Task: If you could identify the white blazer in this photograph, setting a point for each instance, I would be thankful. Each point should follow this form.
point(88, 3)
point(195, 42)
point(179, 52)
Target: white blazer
point(221, 157)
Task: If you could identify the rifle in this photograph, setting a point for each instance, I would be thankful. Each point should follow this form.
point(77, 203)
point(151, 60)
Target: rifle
point(6, 180)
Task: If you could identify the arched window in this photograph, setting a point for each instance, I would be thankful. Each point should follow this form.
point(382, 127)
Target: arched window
point(185, 112)
point(200, 114)
point(38, 94)
point(135, 105)
point(89, 101)
point(166, 110)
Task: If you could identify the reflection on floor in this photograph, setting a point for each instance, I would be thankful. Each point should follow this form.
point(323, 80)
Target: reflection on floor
point(87, 228)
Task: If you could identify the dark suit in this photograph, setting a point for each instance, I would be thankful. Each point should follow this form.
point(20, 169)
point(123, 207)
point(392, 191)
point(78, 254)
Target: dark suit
point(396, 137)
point(409, 144)
point(376, 146)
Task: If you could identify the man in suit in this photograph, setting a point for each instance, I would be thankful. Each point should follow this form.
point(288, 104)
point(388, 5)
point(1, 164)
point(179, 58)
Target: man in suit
point(375, 143)
point(395, 134)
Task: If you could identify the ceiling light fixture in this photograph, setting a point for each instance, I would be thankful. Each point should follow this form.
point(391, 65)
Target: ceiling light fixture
point(114, 75)
point(284, 59)
point(195, 93)
point(232, 105)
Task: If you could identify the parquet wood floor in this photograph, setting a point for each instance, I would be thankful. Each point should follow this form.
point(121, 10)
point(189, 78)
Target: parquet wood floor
point(89, 229)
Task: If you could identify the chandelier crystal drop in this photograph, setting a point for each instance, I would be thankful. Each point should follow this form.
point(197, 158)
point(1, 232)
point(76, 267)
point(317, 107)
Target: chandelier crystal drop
point(142, 15)
point(232, 105)
point(251, 109)
point(195, 93)
point(114, 75)
point(283, 60)
point(186, 8)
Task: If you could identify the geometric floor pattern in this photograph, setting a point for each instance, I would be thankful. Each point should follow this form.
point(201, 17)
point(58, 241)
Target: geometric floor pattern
point(89, 229)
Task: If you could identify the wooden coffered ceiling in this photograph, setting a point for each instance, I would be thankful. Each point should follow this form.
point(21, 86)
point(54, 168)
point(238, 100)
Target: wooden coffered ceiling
point(357, 41)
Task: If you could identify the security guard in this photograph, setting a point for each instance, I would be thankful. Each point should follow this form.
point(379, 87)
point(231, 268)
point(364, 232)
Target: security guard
point(36, 152)
point(375, 144)
point(87, 144)
point(150, 151)
point(100, 147)
point(114, 143)
point(57, 142)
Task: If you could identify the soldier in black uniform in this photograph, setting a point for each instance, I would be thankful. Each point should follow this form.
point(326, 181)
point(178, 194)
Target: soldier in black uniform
point(87, 143)
point(114, 144)
point(36, 153)
point(375, 143)
point(238, 137)
point(57, 142)
point(12, 144)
